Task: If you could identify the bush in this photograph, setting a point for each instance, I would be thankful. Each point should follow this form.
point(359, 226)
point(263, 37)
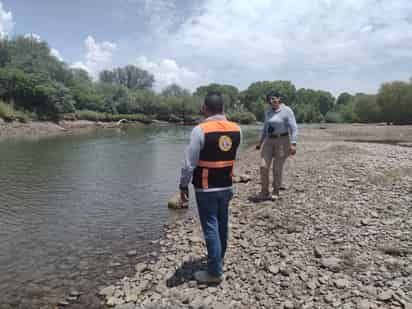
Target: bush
point(8, 113)
point(243, 117)
point(334, 117)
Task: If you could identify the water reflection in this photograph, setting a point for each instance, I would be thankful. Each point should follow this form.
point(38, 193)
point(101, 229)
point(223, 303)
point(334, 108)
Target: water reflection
point(71, 206)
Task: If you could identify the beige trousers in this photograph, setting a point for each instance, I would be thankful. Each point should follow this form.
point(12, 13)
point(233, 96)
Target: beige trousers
point(276, 150)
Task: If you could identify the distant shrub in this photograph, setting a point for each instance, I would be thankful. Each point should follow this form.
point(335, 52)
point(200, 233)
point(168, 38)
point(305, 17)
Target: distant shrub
point(243, 117)
point(334, 117)
point(8, 113)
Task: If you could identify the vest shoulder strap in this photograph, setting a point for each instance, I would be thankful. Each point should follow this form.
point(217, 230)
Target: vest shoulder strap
point(219, 126)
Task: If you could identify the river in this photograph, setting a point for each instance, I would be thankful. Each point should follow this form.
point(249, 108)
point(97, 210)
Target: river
point(71, 207)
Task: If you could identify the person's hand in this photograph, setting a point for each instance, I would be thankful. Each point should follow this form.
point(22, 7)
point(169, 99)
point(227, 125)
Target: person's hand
point(184, 194)
point(292, 149)
point(257, 146)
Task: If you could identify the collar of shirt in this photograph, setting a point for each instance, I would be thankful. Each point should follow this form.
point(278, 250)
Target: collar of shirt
point(216, 117)
point(277, 111)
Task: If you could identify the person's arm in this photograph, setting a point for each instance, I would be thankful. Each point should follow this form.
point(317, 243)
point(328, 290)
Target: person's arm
point(264, 132)
point(293, 129)
point(191, 159)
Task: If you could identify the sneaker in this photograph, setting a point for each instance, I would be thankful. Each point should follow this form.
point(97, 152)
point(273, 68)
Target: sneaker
point(275, 197)
point(204, 277)
point(262, 196)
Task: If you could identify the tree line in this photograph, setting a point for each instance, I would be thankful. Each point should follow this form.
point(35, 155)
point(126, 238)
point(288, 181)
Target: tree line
point(34, 84)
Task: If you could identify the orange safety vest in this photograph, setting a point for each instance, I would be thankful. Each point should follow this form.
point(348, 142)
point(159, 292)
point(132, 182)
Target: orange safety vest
point(215, 166)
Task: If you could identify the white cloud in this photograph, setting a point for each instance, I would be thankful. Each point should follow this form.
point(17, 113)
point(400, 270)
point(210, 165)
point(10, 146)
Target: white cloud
point(313, 43)
point(6, 21)
point(167, 72)
point(33, 36)
point(54, 52)
point(99, 56)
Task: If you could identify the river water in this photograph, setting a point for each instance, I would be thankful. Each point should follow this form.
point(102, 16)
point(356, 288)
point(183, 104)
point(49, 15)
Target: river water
point(71, 207)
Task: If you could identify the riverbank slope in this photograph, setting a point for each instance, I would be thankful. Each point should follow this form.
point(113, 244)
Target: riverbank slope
point(47, 128)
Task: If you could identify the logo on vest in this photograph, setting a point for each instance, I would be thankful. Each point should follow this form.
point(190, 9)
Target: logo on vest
point(225, 143)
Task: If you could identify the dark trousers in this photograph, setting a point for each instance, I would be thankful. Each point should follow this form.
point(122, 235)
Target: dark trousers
point(213, 208)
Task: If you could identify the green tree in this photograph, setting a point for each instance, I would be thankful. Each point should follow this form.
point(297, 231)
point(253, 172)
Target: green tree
point(129, 76)
point(175, 90)
point(344, 98)
point(394, 99)
point(230, 94)
point(366, 108)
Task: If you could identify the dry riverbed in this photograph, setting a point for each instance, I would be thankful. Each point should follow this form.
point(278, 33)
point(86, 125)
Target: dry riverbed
point(339, 237)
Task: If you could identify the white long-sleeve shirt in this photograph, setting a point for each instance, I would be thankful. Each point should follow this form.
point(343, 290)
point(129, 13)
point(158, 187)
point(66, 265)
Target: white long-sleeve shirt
point(281, 121)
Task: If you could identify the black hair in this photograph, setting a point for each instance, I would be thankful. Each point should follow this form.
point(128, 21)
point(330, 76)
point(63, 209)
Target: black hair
point(272, 93)
point(214, 102)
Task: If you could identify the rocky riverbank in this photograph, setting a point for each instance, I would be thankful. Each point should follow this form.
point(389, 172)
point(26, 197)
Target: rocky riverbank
point(339, 237)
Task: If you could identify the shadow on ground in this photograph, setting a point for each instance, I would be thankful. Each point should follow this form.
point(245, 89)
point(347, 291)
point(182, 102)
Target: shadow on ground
point(185, 272)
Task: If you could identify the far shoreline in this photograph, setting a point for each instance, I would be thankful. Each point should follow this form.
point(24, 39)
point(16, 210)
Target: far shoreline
point(35, 129)
point(357, 132)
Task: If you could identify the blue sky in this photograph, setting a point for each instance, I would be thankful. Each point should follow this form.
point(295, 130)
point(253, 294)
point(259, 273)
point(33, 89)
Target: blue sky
point(335, 45)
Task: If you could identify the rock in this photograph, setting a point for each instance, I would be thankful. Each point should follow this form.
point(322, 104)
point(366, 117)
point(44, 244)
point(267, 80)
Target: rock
point(115, 264)
point(341, 283)
point(347, 306)
point(288, 305)
point(407, 306)
point(63, 303)
point(317, 251)
point(108, 291)
point(74, 293)
point(311, 285)
point(241, 178)
point(365, 222)
point(329, 299)
point(274, 269)
point(195, 239)
point(126, 306)
point(71, 298)
point(363, 304)
point(141, 267)
point(114, 301)
point(131, 253)
point(176, 203)
point(284, 270)
point(385, 296)
point(332, 264)
point(283, 253)
point(131, 295)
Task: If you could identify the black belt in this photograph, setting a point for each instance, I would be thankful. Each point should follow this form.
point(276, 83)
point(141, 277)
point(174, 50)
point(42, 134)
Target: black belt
point(272, 135)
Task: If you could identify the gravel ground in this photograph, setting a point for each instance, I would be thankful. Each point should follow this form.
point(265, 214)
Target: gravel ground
point(340, 236)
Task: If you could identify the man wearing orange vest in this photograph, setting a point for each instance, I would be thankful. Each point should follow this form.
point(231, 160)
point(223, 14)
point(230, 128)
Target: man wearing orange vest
point(209, 163)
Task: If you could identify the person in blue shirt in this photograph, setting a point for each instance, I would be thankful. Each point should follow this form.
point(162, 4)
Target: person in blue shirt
point(277, 142)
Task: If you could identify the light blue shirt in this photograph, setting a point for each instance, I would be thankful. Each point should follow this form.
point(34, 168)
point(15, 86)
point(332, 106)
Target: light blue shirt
point(197, 142)
point(281, 121)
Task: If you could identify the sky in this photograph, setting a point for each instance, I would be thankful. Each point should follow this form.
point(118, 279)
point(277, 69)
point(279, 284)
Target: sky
point(333, 45)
